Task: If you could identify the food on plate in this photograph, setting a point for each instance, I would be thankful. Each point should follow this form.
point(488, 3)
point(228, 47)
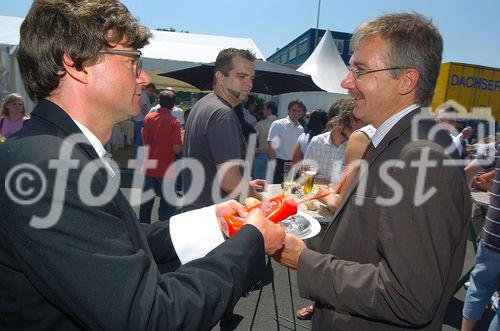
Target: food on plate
point(297, 225)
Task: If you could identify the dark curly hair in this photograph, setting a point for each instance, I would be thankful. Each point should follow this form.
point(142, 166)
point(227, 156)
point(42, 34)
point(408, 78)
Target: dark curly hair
point(317, 123)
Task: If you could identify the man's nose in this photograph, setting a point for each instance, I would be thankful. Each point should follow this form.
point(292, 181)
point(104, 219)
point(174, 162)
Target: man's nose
point(144, 78)
point(249, 83)
point(348, 81)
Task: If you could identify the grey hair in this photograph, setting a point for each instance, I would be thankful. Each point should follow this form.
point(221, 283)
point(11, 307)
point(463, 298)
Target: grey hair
point(413, 42)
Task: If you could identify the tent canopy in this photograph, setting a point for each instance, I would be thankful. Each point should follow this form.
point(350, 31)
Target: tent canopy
point(326, 67)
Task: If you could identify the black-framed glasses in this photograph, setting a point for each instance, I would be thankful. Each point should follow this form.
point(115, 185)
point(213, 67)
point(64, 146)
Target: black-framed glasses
point(136, 53)
point(359, 72)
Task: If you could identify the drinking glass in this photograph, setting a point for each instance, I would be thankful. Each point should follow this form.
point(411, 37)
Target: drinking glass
point(287, 178)
point(309, 172)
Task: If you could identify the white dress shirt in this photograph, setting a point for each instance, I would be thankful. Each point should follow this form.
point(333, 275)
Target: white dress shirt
point(385, 127)
point(328, 158)
point(283, 135)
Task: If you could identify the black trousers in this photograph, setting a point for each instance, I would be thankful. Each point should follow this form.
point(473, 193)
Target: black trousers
point(279, 171)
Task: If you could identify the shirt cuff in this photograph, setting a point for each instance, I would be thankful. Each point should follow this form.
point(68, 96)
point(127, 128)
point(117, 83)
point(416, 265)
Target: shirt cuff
point(195, 233)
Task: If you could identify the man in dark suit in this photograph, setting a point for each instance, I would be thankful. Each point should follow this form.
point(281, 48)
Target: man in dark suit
point(393, 254)
point(73, 255)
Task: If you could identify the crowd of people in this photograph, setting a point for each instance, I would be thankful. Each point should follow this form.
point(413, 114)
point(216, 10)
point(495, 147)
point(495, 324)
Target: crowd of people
point(74, 255)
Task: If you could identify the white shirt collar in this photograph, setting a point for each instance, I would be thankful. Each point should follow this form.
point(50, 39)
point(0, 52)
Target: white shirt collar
point(389, 123)
point(96, 144)
point(289, 121)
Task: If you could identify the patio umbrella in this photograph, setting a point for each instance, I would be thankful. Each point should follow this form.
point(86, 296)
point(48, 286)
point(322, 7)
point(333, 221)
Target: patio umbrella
point(270, 78)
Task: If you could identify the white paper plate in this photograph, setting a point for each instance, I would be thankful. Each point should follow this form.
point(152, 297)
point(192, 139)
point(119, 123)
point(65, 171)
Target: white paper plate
point(314, 229)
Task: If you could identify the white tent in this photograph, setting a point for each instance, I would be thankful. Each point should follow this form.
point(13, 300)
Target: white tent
point(326, 67)
point(167, 50)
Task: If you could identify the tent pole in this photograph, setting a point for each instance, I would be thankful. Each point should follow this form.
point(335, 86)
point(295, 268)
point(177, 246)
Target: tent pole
point(317, 25)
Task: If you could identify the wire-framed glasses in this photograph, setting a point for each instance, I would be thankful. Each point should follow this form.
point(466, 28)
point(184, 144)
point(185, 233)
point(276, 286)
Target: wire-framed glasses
point(136, 53)
point(360, 72)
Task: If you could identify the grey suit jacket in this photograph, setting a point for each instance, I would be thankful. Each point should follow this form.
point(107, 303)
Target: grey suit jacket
point(391, 259)
point(97, 268)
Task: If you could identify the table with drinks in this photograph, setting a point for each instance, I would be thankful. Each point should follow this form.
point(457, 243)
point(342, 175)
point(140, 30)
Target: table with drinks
point(300, 187)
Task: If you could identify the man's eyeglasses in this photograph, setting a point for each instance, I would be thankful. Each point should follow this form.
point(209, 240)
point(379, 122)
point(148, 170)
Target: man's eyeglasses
point(359, 72)
point(136, 53)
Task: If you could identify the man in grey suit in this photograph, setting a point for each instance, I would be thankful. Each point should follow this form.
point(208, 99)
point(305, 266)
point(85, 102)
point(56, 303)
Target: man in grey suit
point(73, 255)
point(393, 254)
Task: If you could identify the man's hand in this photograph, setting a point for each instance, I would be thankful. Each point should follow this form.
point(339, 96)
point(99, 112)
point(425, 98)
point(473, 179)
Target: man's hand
point(481, 183)
point(230, 207)
point(466, 133)
point(332, 201)
point(258, 185)
point(290, 253)
point(273, 233)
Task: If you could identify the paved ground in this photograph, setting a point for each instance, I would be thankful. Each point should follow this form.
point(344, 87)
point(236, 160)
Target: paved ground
point(265, 316)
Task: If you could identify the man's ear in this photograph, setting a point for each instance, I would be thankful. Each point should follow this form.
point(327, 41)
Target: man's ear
point(69, 67)
point(218, 77)
point(409, 82)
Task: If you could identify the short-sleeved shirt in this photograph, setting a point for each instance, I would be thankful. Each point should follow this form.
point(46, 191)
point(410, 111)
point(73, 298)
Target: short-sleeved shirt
point(249, 117)
point(176, 112)
point(303, 142)
point(213, 136)
point(161, 131)
point(328, 157)
point(284, 134)
point(8, 128)
point(368, 130)
point(490, 234)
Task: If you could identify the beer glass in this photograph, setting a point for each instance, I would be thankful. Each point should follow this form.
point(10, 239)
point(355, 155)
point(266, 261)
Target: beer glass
point(309, 172)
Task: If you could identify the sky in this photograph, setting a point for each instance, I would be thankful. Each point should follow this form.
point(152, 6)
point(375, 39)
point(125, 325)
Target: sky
point(470, 28)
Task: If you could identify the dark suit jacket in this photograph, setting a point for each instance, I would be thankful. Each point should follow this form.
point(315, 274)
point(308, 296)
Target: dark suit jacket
point(96, 268)
point(392, 267)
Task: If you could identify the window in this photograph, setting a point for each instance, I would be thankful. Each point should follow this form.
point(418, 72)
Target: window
point(283, 56)
point(340, 45)
point(303, 46)
point(292, 53)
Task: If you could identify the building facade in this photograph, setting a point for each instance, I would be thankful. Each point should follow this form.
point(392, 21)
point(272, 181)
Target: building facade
point(296, 52)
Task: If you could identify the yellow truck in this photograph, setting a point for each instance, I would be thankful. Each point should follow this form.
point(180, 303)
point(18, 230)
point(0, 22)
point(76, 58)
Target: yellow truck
point(471, 86)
